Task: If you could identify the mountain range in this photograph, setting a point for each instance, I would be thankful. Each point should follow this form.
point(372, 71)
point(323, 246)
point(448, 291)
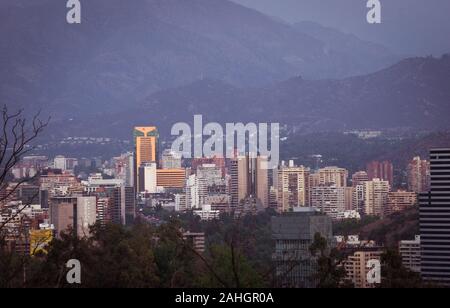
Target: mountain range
point(159, 62)
point(412, 94)
point(124, 51)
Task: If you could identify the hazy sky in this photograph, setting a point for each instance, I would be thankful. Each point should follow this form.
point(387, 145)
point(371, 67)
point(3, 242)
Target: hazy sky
point(408, 26)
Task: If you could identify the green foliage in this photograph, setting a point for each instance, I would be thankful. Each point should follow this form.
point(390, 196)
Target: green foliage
point(330, 270)
point(237, 254)
point(352, 226)
point(232, 268)
point(394, 275)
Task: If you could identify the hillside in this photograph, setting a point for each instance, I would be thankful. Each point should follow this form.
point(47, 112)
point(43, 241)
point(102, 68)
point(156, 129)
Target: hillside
point(124, 51)
point(411, 94)
point(388, 231)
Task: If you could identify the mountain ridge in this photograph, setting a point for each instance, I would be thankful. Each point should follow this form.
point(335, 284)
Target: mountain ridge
point(124, 51)
point(413, 94)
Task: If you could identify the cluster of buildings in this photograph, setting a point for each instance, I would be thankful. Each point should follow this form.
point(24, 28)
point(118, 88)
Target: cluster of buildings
point(56, 200)
point(210, 186)
point(428, 254)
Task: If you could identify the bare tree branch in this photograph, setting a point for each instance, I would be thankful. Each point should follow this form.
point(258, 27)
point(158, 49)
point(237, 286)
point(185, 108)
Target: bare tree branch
point(15, 142)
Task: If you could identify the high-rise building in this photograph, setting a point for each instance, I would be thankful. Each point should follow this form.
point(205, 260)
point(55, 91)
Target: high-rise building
point(434, 220)
point(78, 213)
point(192, 193)
point(381, 170)
point(218, 161)
point(329, 200)
point(261, 181)
point(116, 202)
point(293, 188)
point(332, 176)
point(248, 178)
point(358, 198)
point(375, 197)
point(418, 175)
point(410, 252)
point(208, 176)
point(293, 233)
point(124, 168)
point(239, 180)
point(399, 201)
point(348, 192)
point(148, 178)
point(146, 147)
point(358, 178)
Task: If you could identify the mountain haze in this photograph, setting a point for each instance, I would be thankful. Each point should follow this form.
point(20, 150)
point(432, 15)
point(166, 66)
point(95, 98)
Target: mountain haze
point(413, 94)
point(124, 51)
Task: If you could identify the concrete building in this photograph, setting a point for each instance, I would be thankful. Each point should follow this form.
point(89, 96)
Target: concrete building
point(192, 193)
point(196, 239)
point(358, 198)
point(293, 188)
point(375, 197)
point(358, 178)
point(418, 175)
point(356, 266)
point(329, 200)
point(293, 233)
point(381, 170)
point(124, 168)
point(148, 178)
point(117, 202)
point(329, 176)
point(170, 160)
point(410, 252)
point(399, 201)
point(207, 213)
point(249, 179)
point(78, 213)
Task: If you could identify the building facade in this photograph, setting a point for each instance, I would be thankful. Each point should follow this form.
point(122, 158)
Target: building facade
point(435, 221)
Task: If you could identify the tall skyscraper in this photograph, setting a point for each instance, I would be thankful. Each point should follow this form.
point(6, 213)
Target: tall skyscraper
point(293, 188)
point(376, 197)
point(248, 178)
point(146, 148)
point(418, 175)
point(434, 220)
point(262, 182)
point(381, 170)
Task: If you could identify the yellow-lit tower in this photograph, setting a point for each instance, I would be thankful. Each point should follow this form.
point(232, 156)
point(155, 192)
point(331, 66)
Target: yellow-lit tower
point(146, 148)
